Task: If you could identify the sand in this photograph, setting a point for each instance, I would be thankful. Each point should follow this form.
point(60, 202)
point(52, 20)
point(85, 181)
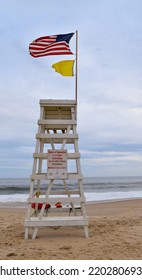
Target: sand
point(115, 233)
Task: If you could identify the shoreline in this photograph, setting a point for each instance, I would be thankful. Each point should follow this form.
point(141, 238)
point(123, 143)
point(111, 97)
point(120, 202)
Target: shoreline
point(93, 209)
point(23, 205)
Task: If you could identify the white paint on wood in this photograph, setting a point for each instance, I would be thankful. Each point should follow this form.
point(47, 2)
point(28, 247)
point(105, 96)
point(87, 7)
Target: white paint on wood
point(56, 125)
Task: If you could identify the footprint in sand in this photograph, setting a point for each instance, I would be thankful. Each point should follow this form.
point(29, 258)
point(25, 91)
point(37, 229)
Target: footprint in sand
point(11, 254)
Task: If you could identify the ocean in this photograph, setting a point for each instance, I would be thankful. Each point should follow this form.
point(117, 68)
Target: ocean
point(95, 188)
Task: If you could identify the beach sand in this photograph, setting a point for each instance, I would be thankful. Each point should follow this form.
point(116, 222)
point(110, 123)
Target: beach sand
point(115, 232)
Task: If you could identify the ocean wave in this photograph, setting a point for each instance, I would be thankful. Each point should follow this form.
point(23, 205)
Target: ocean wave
point(95, 188)
point(89, 196)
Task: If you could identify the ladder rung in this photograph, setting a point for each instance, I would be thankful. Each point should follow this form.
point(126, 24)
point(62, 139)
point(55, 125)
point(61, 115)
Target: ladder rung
point(56, 136)
point(58, 141)
point(58, 122)
point(58, 192)
point(75, 200)
point(56, 221)
point(43, 176)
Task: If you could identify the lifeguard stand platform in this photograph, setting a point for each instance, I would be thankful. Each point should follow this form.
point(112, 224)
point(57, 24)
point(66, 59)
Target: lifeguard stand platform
point(63, 201)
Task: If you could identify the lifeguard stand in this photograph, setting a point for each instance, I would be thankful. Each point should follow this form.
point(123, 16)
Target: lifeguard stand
point(56, 150)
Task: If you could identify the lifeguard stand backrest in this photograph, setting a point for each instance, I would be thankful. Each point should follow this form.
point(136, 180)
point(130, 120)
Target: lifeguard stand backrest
point(59, 110)
point(58, 113)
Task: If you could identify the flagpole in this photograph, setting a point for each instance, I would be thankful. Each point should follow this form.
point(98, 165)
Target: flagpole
point(76, 79)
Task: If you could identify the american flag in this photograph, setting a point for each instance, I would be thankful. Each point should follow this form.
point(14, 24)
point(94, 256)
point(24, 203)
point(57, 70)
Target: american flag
point(51, 45)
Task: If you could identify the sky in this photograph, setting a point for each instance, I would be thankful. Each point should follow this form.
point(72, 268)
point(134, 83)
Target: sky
point(109, 82)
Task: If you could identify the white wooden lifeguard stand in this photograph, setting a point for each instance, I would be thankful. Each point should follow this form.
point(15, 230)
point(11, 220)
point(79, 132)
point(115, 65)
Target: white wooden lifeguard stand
point(56, 146)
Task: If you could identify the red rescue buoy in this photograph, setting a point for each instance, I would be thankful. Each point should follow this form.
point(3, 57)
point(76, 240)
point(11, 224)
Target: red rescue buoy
point(58, 205)
point(40, 205)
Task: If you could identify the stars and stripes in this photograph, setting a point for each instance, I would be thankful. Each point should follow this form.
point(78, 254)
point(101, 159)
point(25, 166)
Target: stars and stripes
point(51, 45)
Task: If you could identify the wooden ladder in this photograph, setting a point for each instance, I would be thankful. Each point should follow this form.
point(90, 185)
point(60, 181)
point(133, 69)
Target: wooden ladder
point(57, 131)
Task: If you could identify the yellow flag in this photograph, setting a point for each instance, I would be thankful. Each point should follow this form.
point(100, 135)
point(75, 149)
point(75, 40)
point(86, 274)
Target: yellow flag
point(64, 67)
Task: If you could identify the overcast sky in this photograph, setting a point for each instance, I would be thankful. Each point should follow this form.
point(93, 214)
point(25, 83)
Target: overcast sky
point(109, 82)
